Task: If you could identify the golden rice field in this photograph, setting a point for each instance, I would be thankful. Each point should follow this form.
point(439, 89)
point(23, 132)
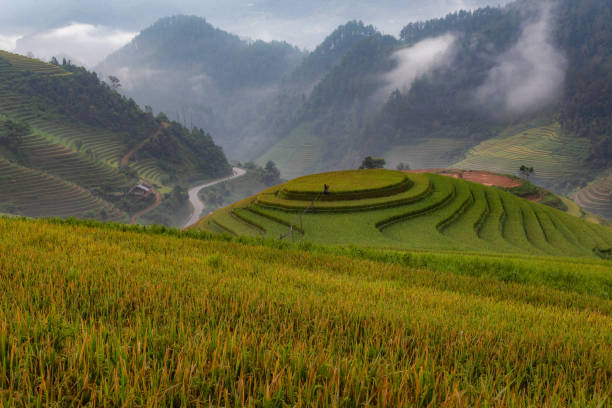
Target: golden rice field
point(122, 316)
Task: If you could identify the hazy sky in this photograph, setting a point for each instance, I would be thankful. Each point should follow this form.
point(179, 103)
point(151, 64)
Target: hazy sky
point(88, 30)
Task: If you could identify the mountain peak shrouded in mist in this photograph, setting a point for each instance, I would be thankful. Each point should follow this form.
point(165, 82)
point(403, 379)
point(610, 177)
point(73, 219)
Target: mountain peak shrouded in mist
point(304, 24)
point(333, 48)
point(190, 43)
point(459, 78)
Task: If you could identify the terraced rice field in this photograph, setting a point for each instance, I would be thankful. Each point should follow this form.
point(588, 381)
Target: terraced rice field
point(596, 197)
point(35, 194)
point(148, 170)
point(425, 153)
point(42, 154)
point(553, 155)
point(425, 211)
point(32, 64)
point(102, 145)
point(297, 154)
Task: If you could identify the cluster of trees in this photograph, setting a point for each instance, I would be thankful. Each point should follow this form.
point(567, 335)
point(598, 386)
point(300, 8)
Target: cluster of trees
point(84, 98)
point(181, 152)
point(12, 133)
point(268, 175)
point(372, 163)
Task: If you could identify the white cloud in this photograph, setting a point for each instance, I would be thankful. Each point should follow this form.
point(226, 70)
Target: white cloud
point(83, 42)
point(9, 42)
point(418, 60)
point(530, 75)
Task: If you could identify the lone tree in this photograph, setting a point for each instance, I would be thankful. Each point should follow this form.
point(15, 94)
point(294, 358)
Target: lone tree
point(271, 174)
point(372, 163)
point(526, 171)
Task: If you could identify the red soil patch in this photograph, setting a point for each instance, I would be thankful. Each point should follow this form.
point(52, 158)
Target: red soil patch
point(491, 179)
point(481, 177)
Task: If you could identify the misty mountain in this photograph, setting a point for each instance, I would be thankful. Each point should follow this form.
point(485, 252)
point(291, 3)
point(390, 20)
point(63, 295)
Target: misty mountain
point(465, 77)
point(203, 76)
point(460, 80)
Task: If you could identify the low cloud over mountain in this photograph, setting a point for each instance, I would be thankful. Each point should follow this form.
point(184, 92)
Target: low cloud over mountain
point(528, 76)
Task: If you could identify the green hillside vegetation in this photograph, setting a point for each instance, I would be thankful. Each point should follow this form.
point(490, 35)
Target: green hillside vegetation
point(437, 120)
point(201, 75)
point(223, 194)
point(73, 129)
point(554, 156)
point(422, 211)
point(32, 64)
point(217, 321)
point(427, 153)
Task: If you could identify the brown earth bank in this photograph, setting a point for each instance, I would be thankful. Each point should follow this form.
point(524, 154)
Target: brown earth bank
point(482, 177)
point(126, 157)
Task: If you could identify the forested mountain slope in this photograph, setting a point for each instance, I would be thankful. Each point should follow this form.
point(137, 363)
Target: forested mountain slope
point(204, 76)
point(63, 134)
point(391, 98)
point(458, 90)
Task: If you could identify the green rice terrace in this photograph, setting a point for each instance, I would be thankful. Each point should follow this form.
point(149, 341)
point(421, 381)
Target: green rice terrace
point(21, 62)
point(71, 146)
point(596, 197)
point(555, 156)
point(393, 209)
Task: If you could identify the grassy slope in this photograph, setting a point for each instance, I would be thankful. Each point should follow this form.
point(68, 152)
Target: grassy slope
point(454, 215)
point(118, 317)
point(553, 155)
point(426, 153)
point(297, 154)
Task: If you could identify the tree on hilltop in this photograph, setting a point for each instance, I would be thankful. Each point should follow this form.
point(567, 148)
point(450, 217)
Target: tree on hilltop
point(526, 171)
point(372, 163)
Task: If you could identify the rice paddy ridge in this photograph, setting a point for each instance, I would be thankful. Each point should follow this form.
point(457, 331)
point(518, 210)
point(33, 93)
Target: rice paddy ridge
point(596, 197)
point(552, 154)
point(32, 64)
point(102, 145)
point(435, 212)
point(426, 153)
point(56, 159)
point(37, 194)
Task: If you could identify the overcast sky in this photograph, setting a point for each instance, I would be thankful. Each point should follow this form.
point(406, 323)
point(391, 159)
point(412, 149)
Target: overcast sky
point(88, 30)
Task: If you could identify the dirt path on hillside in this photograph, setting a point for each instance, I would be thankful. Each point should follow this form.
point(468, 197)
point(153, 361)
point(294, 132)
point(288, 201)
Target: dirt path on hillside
point(158, 200)
point(126, 157)
point(197, 204)
point(125, 160)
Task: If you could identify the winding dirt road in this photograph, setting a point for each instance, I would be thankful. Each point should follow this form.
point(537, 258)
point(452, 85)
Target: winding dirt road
point(197, 204)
